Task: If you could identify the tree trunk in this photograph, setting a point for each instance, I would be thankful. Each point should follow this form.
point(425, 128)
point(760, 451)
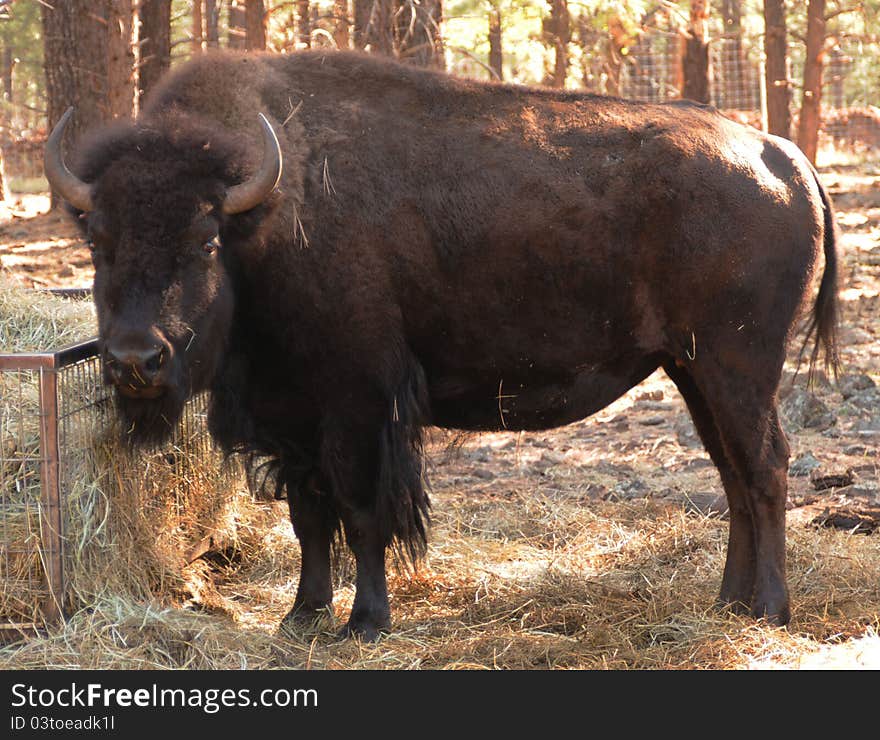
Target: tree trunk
point(696, 54)
point(814, 62)
point(617, 40)
point(837, 64)
point(380, 34)
point(496, 58)
point(121, 86)
point(4, 187)
point(212, 23)
point(8, 64)
point(155, 43)
point(674, 67)
point(418, 32)
point(558, 33)
point(776, 69)
point(75, 59)
point(341, 35)
point(198, 30)
point(255, 22)
point(361, 11)
point(303, 24)
point(236, 34)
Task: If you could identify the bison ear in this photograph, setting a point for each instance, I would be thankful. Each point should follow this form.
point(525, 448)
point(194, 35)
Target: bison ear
point(251, 193)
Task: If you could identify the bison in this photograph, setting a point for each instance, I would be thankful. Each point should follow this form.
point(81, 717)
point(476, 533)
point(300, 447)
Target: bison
point(438, 251)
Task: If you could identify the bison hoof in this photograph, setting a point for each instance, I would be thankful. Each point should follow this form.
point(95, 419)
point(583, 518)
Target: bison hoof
point(778, 616)
point(732, 606)
point(307, 618)
point(365, 629)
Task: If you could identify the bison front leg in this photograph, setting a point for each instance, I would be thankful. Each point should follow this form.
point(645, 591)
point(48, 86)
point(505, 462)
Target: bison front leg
point(315, 523)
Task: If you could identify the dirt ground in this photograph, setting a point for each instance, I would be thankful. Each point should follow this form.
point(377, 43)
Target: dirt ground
point(638, 461)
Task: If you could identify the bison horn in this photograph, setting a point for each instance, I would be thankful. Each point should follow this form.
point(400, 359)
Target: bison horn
point(69, 186)
point(240, 198)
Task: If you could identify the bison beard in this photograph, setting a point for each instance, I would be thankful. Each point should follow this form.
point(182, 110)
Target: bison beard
point(150, 422)
point(440, 251)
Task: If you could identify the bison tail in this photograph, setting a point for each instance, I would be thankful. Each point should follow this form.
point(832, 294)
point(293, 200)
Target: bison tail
point(823, 322)
point(402, 503)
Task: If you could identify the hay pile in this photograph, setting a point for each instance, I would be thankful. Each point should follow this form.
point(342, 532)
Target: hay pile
point(526, 569)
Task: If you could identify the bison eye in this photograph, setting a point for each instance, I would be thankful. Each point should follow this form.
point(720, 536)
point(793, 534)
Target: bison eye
point(211, 246)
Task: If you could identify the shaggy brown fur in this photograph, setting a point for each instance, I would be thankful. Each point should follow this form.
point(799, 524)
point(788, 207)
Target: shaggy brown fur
point(477, 256)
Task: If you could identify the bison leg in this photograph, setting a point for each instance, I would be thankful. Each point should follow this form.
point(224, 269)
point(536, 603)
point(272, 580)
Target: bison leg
point(743, 406)
point(315, 524)
point(372, 455)
point(371, 612)
point(349, 459)
point(738, 583)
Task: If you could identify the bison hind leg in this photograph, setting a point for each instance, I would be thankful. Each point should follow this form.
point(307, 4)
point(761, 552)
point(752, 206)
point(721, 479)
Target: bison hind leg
point(371, 452)
point(737, 418)
point(738, 582)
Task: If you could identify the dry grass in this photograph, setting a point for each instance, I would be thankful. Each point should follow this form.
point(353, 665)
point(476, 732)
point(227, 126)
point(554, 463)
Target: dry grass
point(35, 321)
point(522, 572)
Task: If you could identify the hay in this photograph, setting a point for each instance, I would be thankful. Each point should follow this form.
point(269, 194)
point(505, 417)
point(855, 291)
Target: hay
point(31, 321)
point(522, 572)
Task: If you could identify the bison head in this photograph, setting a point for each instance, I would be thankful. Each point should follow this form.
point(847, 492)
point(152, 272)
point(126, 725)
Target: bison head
point(155, 201)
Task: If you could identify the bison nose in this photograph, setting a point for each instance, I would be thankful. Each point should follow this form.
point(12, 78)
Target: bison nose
point(135, 364)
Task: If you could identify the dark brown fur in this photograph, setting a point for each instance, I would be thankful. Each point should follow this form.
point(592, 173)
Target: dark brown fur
point(471, 255)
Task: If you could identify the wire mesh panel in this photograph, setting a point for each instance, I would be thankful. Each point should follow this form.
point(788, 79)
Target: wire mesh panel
point(652, 68)
point(62, 458)
point(735, 83)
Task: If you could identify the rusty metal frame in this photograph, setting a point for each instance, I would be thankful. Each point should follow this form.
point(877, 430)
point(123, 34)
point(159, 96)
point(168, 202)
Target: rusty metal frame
point(51, 520)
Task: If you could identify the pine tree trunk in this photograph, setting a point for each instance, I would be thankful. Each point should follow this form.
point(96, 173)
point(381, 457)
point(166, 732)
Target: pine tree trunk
point(237, 28)
point(617, 35)
point(836, 77)
point(75, 59)
point(559, 36)
point(255, 22)
point(696, 54)
point(496, 58)
point(198, 30)
point(155, 43)
point(811, 105)
point(380, 36)
point(776, 69)
point(361, 10)
point(4, 187)
point(212, 23)
point(341, 34)
point(8, 64)
point(121, 86)
point(303, 24)
point(419, 40)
